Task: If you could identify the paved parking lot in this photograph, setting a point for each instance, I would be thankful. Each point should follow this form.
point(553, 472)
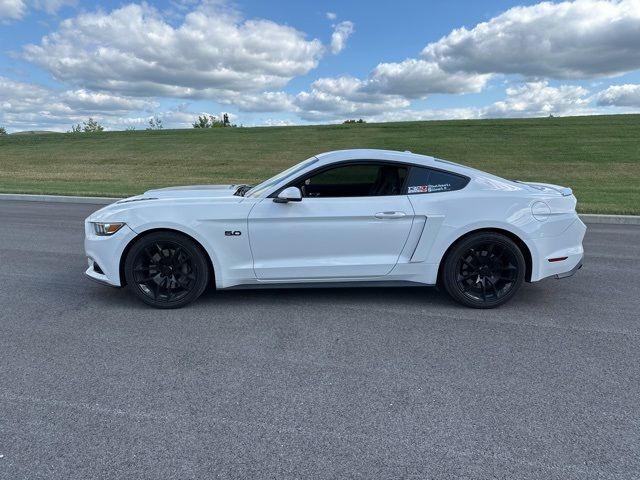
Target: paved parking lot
point(349, 383)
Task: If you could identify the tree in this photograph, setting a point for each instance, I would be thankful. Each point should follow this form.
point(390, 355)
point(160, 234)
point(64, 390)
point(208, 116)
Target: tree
point(90, 126)
point(354, 121)
point(209, 121)
point(155, 123)
point(3, 131)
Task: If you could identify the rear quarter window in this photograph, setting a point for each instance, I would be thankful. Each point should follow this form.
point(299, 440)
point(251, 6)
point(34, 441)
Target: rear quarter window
point(426, 180)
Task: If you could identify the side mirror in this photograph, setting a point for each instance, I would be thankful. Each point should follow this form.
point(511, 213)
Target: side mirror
point(289, 194)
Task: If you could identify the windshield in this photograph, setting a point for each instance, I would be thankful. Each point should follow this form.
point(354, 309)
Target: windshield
point(289, 172)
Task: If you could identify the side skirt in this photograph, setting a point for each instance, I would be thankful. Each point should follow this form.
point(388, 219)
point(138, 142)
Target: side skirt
point(358, 284)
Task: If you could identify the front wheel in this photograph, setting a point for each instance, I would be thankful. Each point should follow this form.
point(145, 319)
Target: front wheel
point(483, 270)
point(166, 270)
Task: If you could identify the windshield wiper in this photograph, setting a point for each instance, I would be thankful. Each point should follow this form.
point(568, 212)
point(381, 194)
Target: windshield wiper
point(242, 189)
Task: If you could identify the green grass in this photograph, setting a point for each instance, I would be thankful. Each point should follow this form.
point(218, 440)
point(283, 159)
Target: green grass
point(599, 156)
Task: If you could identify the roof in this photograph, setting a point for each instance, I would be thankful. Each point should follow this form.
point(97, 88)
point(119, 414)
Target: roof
point(374, 154)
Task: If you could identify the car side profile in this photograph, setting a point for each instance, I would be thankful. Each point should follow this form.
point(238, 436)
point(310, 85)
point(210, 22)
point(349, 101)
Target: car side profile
point(342, 218)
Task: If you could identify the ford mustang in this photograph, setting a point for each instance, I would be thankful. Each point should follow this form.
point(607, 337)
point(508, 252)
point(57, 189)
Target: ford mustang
point(343, 218)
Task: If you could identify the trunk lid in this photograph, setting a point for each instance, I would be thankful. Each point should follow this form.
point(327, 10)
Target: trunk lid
point(548, 188)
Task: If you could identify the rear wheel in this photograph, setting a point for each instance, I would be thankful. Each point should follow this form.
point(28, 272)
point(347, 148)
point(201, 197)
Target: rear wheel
point(483, 270)
point(166, 270)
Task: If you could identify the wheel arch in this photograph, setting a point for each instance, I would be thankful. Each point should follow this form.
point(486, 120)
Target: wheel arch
point(125, 252)
point(524, 248)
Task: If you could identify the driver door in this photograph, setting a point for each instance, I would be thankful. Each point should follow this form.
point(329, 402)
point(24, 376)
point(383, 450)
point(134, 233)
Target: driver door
point(352, 222)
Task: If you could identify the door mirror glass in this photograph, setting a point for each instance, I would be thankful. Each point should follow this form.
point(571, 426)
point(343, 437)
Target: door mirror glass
point(289, 194)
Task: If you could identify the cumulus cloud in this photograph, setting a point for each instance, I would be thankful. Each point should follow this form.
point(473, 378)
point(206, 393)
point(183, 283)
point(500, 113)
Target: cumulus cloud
point(261, 102)
point(418, 78)
point(12, 9)
point(427, 114)
point(28, 106)
point(573, 40)
point(133, 50)
point(16, 9)
point(534, 99)
point(87, 101)
point(620, 96)
point(340, 35)
point(567, 40)
point(529, 99)
point(331, 15)
point(343, 96)
point(390, 86)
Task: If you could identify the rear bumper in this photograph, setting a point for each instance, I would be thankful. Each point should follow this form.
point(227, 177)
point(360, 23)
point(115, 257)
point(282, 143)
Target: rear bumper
point(571, 272)
point(558, 256)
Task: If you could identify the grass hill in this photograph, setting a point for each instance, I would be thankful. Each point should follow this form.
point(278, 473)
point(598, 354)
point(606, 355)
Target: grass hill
point(598, 156)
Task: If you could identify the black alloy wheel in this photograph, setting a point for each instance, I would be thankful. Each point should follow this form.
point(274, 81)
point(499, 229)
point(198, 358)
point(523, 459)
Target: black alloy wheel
point(483, 270)
point(166, 270)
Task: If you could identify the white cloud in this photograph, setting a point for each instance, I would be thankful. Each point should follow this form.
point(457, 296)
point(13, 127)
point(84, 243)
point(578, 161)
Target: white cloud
point(261, 102)
point(133, 50)
point(331, 15)
point(275, 122)
point(343, 96)
point(340, 35)
point(28, 106)
point(418, 78)
point(531, 99)
point(620, 96)
point(427, 114)
point(17, 9)
point(88, 101)
point(580, 39)
point(12, 9)
point(534, 99)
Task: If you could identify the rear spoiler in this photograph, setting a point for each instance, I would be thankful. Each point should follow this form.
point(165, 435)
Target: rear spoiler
point(546, 187)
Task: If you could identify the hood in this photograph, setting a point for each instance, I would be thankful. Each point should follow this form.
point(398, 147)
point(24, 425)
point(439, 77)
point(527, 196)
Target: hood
point(193, 191)
point(185, 192)
point(121, 208)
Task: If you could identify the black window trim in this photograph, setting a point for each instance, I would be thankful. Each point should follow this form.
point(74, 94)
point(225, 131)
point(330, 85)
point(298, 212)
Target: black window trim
point(448, 172)
point(344, 163)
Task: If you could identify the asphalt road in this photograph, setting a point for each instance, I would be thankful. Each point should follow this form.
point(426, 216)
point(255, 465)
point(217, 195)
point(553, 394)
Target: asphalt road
point(338, 383)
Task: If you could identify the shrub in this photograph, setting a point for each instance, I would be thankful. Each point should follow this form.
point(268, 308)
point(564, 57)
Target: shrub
point(90, 126)
point(155, 123)
point(209, 121)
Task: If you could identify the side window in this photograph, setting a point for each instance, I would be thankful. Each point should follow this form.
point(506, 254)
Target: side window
point(425, 180)
point(358, 180)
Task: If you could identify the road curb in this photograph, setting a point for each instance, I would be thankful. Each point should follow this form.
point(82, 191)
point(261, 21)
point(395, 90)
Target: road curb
point(58, 198)
point(610, 219)
point(586, 217)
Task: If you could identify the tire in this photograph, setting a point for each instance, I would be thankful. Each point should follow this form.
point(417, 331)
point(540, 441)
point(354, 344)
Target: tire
point(166, 270)
point(483, 270)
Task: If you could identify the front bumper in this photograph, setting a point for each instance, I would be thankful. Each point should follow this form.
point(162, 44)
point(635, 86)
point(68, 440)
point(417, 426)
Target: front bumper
point(104, 254)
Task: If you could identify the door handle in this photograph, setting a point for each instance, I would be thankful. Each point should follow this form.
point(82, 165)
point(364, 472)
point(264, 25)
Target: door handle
point(389, 214)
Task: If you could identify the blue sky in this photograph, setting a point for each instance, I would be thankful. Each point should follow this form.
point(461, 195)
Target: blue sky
point(298, 62)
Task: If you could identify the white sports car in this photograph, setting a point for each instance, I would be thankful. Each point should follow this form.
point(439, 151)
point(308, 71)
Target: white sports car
point(343, 218)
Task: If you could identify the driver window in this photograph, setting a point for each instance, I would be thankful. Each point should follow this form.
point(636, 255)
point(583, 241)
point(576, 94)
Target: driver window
point(359, 180)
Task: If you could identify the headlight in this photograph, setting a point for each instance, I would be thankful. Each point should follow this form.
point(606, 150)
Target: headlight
point(106, 229)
